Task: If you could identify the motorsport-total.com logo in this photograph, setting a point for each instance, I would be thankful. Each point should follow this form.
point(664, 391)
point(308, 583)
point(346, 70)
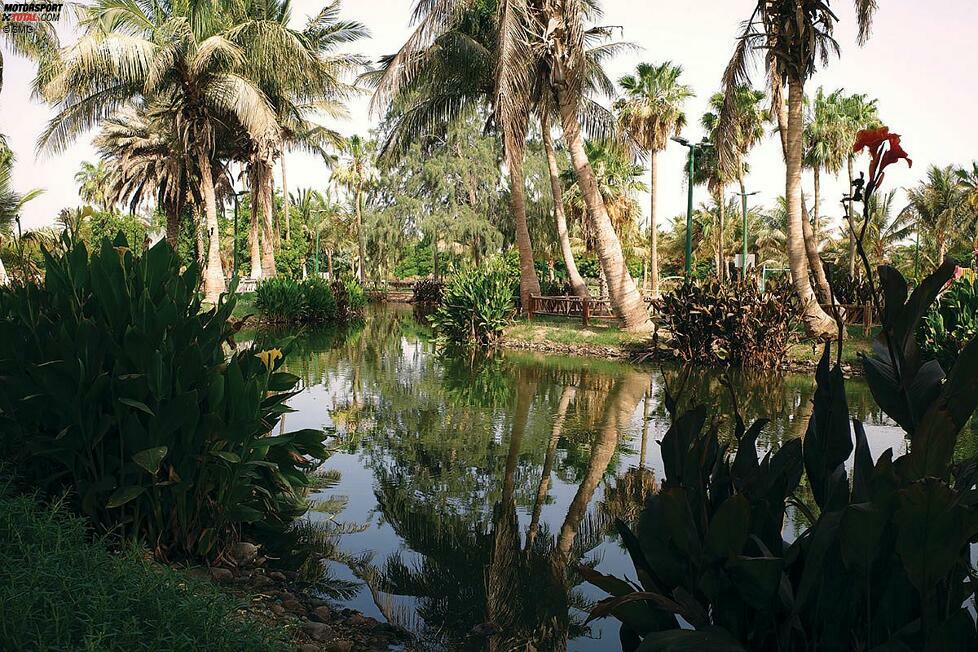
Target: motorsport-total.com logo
point(24, 17)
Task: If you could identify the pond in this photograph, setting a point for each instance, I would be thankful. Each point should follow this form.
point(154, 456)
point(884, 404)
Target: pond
point(476, 483)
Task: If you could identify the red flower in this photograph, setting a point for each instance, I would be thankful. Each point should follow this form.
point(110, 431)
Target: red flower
point(884, 148)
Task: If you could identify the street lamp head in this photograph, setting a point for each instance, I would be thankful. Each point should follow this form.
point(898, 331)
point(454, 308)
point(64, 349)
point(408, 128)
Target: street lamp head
point(682, 141)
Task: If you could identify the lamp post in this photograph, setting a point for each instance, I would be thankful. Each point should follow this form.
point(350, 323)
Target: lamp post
point(693, 148)
point(319, 229)
point(743, 262)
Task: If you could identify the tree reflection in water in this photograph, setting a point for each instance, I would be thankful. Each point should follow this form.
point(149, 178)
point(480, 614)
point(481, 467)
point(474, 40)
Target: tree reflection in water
point(498, 474)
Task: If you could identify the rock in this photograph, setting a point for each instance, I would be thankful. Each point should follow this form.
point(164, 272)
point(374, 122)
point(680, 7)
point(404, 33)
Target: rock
point(262, 581)
point(340, 646)
point(277, 609)
point(318, 631)
point(366, 622)
point(277, 576)
point(244, 553)
point(322, 614)
point(308, 647)
point(294, 606)
point(221, 575)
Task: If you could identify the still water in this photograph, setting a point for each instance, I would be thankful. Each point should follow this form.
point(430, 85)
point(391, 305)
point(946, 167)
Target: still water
point(476, 484)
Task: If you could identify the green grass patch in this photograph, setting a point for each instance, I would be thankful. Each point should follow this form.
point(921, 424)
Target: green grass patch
point(245, 305)
point(570, 330)
point(856, 342)
point(61, 590)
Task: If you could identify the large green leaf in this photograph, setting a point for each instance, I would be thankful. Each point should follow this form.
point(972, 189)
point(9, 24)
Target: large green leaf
point(934, 530)
point(827, 442)
point(729, 528)
point(150, 459)
point(123, 495)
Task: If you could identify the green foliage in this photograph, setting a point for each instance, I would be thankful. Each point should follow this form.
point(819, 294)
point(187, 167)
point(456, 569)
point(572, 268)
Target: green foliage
point(281, 299)
point(427, 290)
point(117, 386)
point(884, 563)
point(62, 591)
point(351, 299)
point(735, 324)
point(313, 300)
point(476, 306)
point(952, 322)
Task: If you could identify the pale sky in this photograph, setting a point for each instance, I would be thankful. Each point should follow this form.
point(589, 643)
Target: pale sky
point(919, 63)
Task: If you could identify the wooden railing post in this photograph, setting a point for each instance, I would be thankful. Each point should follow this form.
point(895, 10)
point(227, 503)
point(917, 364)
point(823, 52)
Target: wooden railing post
point(529, 309)
point(868, 318)
point(585, 310)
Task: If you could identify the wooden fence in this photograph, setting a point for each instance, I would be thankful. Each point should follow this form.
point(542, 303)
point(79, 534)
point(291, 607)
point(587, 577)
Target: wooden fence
point(856, 314)
point(573, 306)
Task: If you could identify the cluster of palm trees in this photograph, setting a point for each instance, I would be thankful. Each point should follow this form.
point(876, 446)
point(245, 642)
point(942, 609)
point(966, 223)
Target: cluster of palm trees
point(184, 90)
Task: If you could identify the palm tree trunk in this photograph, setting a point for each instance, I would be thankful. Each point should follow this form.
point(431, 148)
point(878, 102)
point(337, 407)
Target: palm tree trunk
point(626, 301)
point(173, 210)
point(214, 271)
point(548, 462)
point(268, 220)
point(361, 238)
point(285, 198)
point(529, 283)
point(578, 286)
point(722, 218)
point(817, 322)
point(619, 407)
point(653, 224)
point(811, 249)
point(254, 232)
point(329, 263)
point(850, 216)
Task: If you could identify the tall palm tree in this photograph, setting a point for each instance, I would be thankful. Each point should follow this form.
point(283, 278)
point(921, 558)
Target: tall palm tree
point(178, 54)
point(93, 184)
point(563, 56)
point(968, 181)
point(936, 209)
point(794, 35)
point(38, 43)
point(828, 143)
point(356, 172)
point(886, 230)
point(651, 112)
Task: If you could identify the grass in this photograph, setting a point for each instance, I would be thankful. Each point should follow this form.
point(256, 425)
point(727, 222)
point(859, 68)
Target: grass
point(62, 590)
point(605, 333)
point(856, 342)
point(563, 330)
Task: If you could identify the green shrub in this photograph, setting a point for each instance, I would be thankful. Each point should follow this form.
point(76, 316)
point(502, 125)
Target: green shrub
point(281, 299)
point(952, 322)
point(848, 291)
point(318, 300)
point(351, 299)
point(714, 323)
point(117, 386)
point(476, 306)
point(884, 558)
point(62, 591)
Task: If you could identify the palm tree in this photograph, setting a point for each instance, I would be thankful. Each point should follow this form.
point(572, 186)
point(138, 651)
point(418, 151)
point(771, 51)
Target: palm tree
point(148, 162)
point(456, 60)
point(885, 230)
point(39, 42)
point(828, 143)
point(93, 184)
point(650, 113)
point(179, 55)
point(936, 208)
point(793, 35)
point(968, 181)
point(11, 202)
point(563, 56)
point(357, 173)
